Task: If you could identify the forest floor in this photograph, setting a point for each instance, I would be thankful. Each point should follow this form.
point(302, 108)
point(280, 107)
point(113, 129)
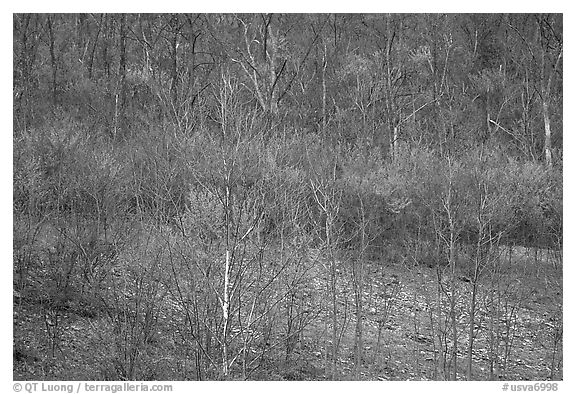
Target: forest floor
point(530, 325)
point(406, 348)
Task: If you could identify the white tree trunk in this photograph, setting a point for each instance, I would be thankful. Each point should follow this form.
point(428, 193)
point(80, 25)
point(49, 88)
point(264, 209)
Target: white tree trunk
point(225, 310)
point(547, 133)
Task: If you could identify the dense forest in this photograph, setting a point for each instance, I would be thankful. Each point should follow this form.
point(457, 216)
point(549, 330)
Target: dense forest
point(287, 196)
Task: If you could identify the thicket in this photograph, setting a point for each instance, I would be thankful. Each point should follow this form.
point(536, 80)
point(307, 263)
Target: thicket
point(204, 188)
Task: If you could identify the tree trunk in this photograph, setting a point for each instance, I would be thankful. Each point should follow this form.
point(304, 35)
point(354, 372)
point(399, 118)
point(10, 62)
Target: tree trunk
point(389, 96)
point(26, 71)
point(452, 262)
point(471, 333)
point(225, 315)
point(93, 53)
point(225, 295)
point(53, 59)
point(120, 98)
point(479, 259)
point(453, 309)
point(105, 55)
point(174, 65)
point(324, 64)
point(547, 133)
point(546, 89)
point(122, 65)
point(334, 313)
point(358, 280)
point(358, 345)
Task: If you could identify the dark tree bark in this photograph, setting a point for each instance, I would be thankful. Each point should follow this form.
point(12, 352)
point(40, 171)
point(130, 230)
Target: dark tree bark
point(53, 59)
point(120, 96)
point(94, 47)
point(174, 63)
